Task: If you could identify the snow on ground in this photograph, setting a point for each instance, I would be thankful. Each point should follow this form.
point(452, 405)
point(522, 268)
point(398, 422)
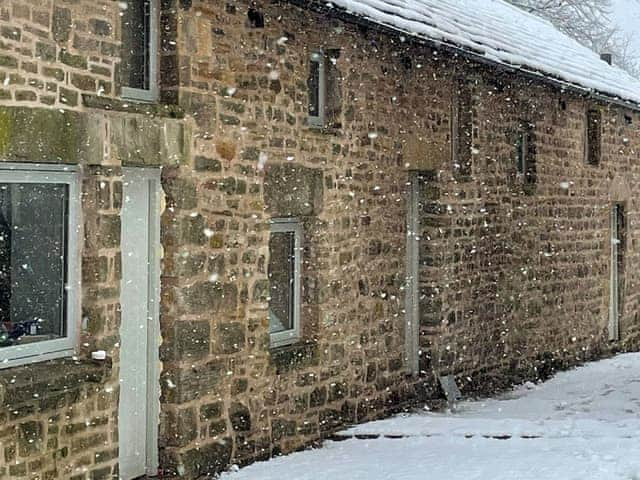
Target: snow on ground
point(583, 424)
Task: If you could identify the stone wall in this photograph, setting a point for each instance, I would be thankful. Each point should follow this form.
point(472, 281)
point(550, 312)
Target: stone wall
point(227, 397)
point(514, 280)
point(58, 67)
point(54, 50)
point(59, 417)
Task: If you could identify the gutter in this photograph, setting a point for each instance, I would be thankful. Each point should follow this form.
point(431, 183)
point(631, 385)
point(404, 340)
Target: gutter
point(342, 14)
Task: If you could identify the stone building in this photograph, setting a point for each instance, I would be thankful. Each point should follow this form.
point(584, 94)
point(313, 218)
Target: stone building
point(228, 228)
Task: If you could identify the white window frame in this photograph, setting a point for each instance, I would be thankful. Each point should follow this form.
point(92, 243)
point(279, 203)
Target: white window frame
point(148, 95)
point(290, 225)
point(67, 346)
point(319, 58)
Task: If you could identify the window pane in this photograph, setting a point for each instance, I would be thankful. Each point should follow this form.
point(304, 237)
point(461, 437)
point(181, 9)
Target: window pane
point(594, 137)
point(33, 252)
point(521, 151)
point(281, 278)
point(136, 44)
point(314, 89)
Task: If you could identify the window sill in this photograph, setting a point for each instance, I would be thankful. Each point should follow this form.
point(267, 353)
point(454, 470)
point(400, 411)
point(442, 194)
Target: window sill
point(335, 130)
point(132, 106)
point(295, 356)
point(48, 381)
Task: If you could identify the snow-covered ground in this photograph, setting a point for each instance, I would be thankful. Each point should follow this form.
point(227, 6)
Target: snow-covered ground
point(582, 425)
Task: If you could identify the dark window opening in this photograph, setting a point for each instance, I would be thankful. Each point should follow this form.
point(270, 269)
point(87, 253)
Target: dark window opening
point(594, 137)
point(462, 130)
point(314, 86)
point(255, 17)
point(33, 262)
point(137, 45)
point(281, 280)
point(325, 89)
point(526, 153)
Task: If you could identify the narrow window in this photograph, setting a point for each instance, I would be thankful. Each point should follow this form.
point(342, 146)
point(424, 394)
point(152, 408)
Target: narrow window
point(285, 245)
point(317, 84)
point(526, 153)
point(139, 49)
point(255, 18)
point(616, 301)
point(594, 137)
point(462, 130)
point(37, 278)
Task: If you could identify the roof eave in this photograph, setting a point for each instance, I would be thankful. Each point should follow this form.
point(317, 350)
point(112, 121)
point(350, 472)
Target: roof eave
point(344, 15)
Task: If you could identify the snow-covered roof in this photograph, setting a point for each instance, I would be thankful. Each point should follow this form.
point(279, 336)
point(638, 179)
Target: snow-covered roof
point(501, 33)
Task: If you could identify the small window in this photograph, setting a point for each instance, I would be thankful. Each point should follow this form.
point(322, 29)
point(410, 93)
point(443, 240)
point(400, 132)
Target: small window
point(462, 130)
point(38, 264)
point(317, 84)
point(526, 153)
point(285, 244)
point(593, 141)
point(325, 89)
point(255, 18)
point(139, 50)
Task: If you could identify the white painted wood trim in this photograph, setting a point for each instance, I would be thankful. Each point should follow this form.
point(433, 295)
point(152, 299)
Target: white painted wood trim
point(614, 314)
point(412, 317)
point(152, 176)
point(66, 346)
point(291, 225)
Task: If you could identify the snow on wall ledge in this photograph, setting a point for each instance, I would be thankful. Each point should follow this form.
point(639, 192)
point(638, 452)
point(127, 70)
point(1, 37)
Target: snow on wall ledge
point(501, 33)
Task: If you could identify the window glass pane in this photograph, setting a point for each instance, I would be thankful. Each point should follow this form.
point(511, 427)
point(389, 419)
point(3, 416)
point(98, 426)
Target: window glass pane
point(594, 134)
point(314, 89)
point(33, 219)
point(136, 44)
point(521, 151)
point(281, 278)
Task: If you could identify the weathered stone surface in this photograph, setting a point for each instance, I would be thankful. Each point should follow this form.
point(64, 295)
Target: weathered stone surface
point(180, 427)
point(207, 164)
point(30, 438)
point(141, 141)
point(211, 297)
point(240, 417)
point(292, 189)
point(230, 337)
point(207, 460)
point(282, 428)
point(61, 27)
point(61, 136)
point(238, 142)
point(196, 382)
point(181, 193)
point(192, 339)
point(211, 411)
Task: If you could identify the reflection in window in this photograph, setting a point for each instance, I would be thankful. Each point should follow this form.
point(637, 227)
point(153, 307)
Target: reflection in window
point(284, 281)
point(33, 251)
